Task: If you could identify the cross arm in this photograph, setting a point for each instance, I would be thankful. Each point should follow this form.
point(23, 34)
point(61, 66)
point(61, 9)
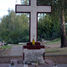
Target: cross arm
point(21, 8)
point(44, 9)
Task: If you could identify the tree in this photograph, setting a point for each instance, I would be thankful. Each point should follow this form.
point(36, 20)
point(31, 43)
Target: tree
point(48, 28)
point(62, 20)
point(14, 28)
point(25, 2)
point(59, 6)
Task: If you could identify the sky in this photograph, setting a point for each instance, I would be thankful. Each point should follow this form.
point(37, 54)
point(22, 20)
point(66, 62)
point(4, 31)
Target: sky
point(7, 4)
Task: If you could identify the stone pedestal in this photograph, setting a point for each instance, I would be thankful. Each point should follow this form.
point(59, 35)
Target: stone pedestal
point(34, 53)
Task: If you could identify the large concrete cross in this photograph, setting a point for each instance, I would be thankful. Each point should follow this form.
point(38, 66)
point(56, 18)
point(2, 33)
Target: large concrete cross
point(33, 9)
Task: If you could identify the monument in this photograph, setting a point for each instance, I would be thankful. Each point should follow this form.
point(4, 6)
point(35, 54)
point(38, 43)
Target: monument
point(33, 51)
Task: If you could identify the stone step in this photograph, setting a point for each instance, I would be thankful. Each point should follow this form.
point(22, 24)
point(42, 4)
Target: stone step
point(45, 65)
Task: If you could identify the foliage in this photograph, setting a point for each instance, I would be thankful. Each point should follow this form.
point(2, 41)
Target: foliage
point(44, 2)
point(55, 41)
point(6, 47)
point(14, 29)
point(48, 28)
point(59, 6)
point(66, 28)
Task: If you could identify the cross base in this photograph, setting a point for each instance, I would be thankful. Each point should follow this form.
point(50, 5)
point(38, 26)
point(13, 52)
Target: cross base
point(33, 53)
point(36, 46)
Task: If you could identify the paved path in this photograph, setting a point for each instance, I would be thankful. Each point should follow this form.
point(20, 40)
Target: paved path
point(21, 65)
point(14, 51)
point(17, 50)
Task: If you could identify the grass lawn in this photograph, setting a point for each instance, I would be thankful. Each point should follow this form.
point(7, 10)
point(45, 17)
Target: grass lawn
point(58, 40)
point(56, 51)
point(5, 47)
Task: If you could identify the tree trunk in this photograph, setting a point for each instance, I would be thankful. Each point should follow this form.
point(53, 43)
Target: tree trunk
point(62, 20)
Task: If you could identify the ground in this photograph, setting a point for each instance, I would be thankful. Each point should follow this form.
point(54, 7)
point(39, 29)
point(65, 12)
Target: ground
point(21, 65)
point(51, 48)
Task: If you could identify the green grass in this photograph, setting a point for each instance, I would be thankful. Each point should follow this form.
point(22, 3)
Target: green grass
point(52, 50)
point(5, 47)
point(57, 51)
point(53, 41)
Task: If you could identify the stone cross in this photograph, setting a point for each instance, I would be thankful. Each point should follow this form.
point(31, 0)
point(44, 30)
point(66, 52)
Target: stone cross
point(33, 9)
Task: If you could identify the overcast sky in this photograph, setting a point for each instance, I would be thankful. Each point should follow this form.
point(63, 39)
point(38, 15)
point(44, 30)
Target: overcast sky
point(7, 4)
